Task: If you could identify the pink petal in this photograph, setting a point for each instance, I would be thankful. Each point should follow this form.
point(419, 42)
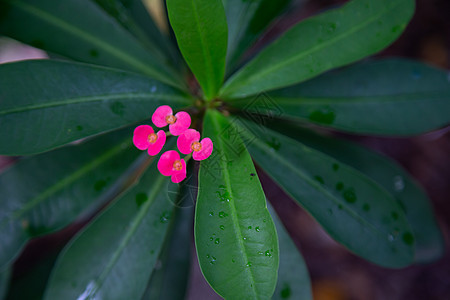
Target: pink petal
point(140, 136)
point(154, 149)
point(165, 163)
point(178, 176)
point(207, 148)
point(160, 114)
point(185, 140)
point(182, 124)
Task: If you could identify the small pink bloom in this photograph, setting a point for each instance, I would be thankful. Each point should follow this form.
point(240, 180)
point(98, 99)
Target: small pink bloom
point(170, 164)
point(144, 137)
point(163, 116)
point(190, 141)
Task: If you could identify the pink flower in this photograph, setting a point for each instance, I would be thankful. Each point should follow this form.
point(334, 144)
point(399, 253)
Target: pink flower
point(190, 141)
point(163, 116)
point(170, 164)
point(145, 138)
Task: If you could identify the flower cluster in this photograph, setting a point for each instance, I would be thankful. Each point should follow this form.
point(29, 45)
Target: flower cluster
point(170, 162)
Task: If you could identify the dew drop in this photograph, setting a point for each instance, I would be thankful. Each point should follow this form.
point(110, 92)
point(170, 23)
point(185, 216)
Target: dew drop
point(324, 116)
point(399, 184)
point(257, 229)
point(101, 184)
point(165, 217)
point(416, 74)
point(331, 27)
point(268, 254)
point(213, 260)
point(394, 215)
point(286, 291)
point(244, 238)
point(366, 207)
point(249, 227)
point(350, 195)
point(222, 214)
point(264, 221)
point(249, 264)
point(233, 260)
point(211, 238)
point(141, 198)
point(217, 241)
point(222, 227)
point(319, 179)
point(93, 53)
point(207, 256)
point(408, 238)
point(391, 238)
point(117, 108)
point(211, 213)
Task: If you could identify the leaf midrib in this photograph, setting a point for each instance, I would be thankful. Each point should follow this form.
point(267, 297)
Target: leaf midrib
point(319, 47)
point(233, 208)
point(204, 47)
point(123, 56)
point(91, 99)
point(315, 184)
point(129, 234)
point(362, 99)
point(97, 161)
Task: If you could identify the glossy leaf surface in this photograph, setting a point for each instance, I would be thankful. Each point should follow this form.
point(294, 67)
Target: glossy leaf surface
point(60, 185)
point(38, 112)
point(81, 30)
point(123, 15)
point(386, 97)
point(247, 21)
point(352, 208)
point(332, 39)
point(235, 237)
point(429, 244)
point(200, 27)
point(171, 276)
point(114, 256)
point(293, 278)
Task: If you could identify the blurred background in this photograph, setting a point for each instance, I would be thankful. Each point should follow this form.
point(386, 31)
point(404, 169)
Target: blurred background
point(335, 273)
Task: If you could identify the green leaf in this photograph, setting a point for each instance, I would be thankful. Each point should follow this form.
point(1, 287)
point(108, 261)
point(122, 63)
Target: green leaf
point(200, 27)
point(38, 112)
point(293, 278)
point(4, 282)
point(80, 30)
point(235, 237)
point(60, 185)
point(114, 256)
point(429, 243)
point(117, 10)
point(141, 16)
point(246, 22)
point(170, 279)
point(351, 207)
point(386, 97)
point(332, 39)
point(133, 16)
